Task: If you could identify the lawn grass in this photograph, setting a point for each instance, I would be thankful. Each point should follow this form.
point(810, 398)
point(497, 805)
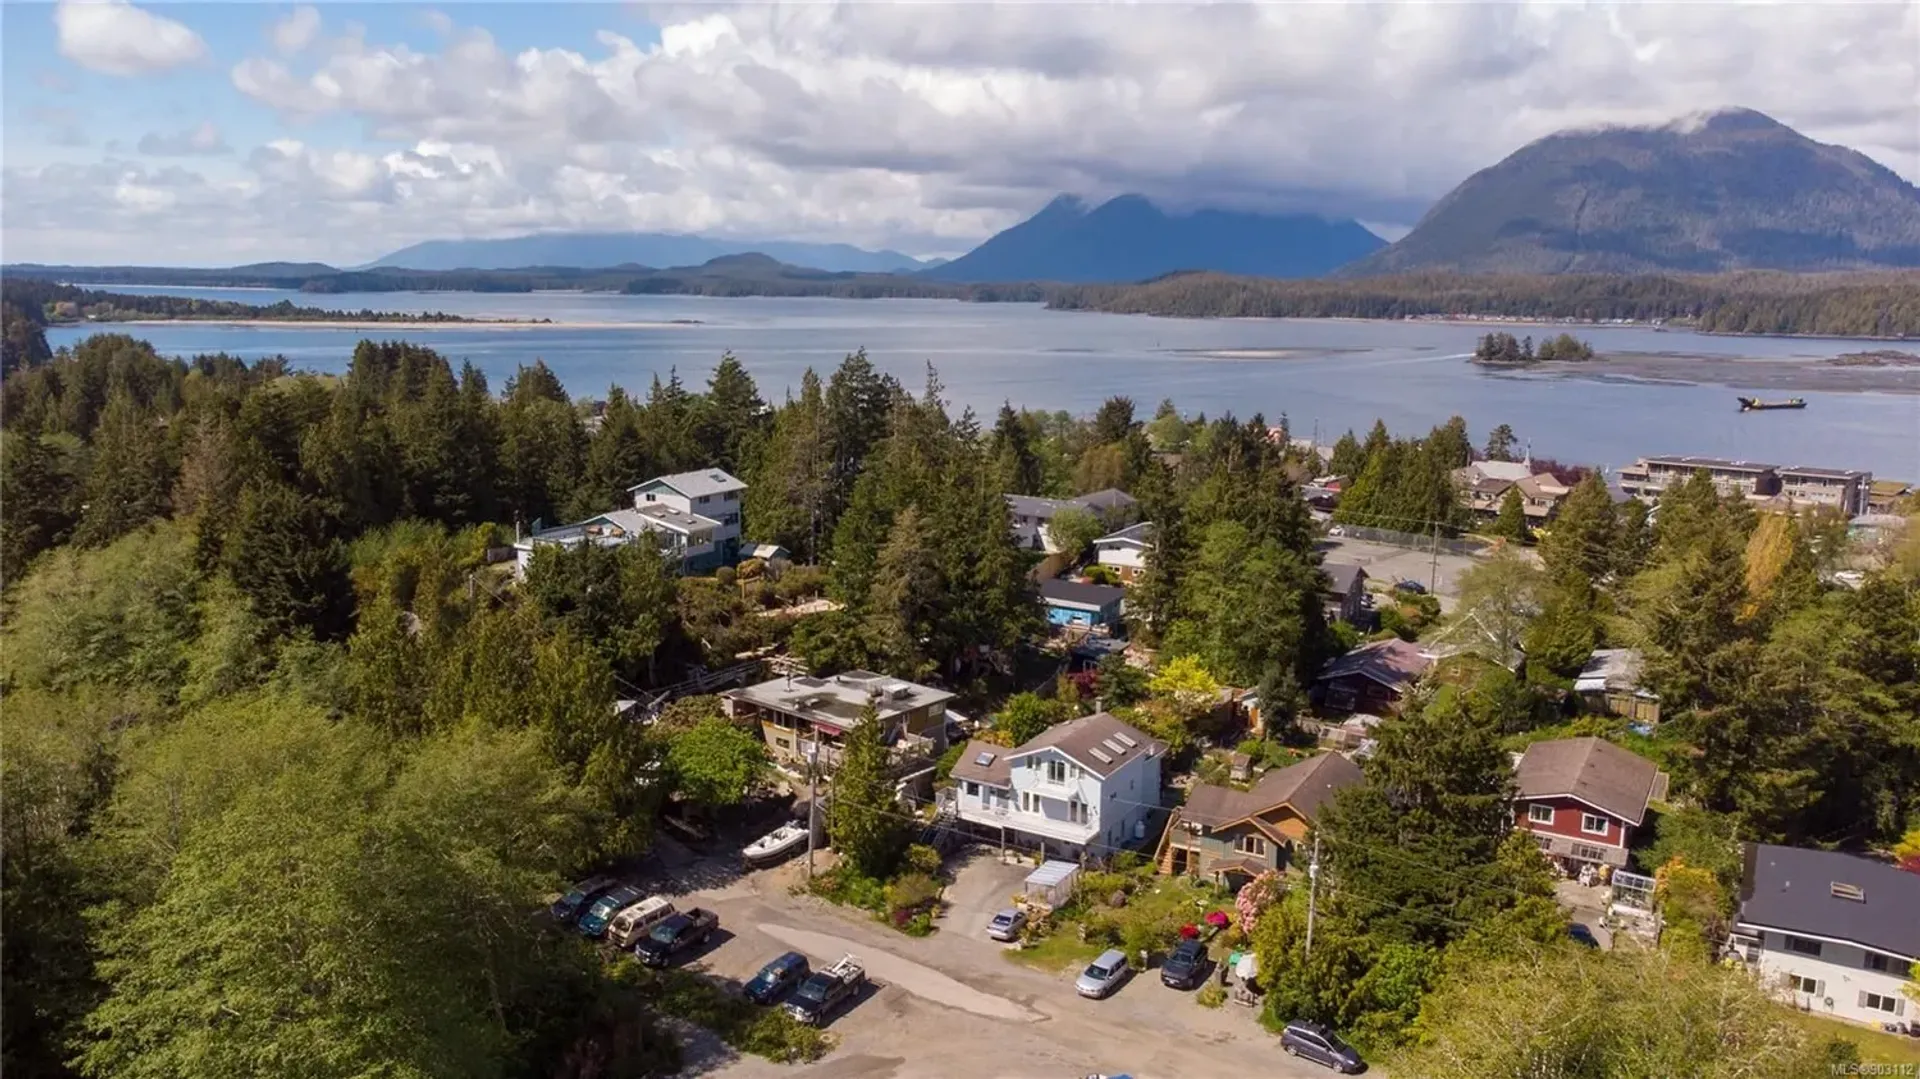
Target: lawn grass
point(1876, 1046)
point(1156, 908)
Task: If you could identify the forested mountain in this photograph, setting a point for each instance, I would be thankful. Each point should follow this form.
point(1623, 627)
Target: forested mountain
point(1845, 305)
point(594, 250)
point(1733, 190)
point(1130, 239)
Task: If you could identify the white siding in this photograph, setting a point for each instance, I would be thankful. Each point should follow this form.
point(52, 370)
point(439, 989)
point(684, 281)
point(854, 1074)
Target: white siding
point(1123, 555)
point(1841, 974)
point(1036, 805)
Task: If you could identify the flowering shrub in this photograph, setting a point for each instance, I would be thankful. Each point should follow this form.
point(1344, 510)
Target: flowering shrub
point(1256, 896)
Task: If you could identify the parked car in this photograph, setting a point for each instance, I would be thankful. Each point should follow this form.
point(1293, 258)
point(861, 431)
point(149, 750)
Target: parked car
point(1186, 967)
point(1583, 936)
point(594, 922)
point(633, 923)
point(675, 935)
point(1311, 1041)
point(570, 906)
point(1407, 584)
point(1103, 975)
point(777, 977)
point(1007, 924)
point(825, 991)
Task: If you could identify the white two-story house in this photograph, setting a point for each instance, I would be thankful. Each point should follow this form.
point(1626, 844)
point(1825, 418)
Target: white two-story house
point(1833, 934)
point(1086, 786)
point(693, 517)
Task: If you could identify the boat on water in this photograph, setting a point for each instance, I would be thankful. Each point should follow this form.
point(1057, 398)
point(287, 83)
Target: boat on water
point(775, 845)
point(1754, 404)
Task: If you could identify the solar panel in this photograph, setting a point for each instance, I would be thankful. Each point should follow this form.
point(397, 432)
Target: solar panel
point(1101, 757)
point(983, 760)
point(1126, 739)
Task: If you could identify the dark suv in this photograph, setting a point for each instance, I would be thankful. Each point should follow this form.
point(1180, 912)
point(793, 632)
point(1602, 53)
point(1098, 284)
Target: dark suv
point(1186, 967)
point(1311, 1041)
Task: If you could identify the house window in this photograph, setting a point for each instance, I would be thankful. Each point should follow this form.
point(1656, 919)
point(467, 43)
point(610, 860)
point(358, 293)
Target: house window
point(730, 519)
point(1029, 803)
point(1803, 985)
point(1251, 844)
point(973, 790)
point(1056, 771)
point(1879, 1002)
point(1593, 824)
point(1544, 842)
point(1540, 814)
point(1340, 697)
point(1588, 854)
point(1077, 812)
point(704, 499)
point(1876, 961)
point(1803, 945)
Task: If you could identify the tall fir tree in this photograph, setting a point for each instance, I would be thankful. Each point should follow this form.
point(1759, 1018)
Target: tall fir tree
point(862, 819)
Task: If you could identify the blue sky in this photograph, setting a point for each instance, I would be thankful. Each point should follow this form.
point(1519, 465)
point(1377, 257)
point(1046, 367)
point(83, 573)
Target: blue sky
point(207, 134)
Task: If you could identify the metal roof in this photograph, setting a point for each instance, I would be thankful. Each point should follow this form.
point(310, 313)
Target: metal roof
point(1794, 889)
point(706, 481)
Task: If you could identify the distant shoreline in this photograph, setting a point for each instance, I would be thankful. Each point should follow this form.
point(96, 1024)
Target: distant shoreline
point(386, 324)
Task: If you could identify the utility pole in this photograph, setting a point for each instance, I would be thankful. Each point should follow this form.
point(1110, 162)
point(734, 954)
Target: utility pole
point(1313, 890)
point(813, 799)
point(1433, 575)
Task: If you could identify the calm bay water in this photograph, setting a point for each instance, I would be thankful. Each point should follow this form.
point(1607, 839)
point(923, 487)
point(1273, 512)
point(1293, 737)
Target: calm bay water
point(1328, 375)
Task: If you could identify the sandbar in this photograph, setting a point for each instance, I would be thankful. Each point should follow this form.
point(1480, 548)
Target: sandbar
point(1808, 374)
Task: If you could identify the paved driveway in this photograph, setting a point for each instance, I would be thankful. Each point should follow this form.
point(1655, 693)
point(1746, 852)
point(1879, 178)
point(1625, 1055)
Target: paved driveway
point(952, 1005)
point(982, 886)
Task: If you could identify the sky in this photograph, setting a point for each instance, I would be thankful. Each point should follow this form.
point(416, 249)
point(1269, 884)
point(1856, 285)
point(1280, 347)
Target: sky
point(216, 134)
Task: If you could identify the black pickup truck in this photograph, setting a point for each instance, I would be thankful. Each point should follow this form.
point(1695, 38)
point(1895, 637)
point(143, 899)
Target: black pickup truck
point(825, 991)
point(685, 930)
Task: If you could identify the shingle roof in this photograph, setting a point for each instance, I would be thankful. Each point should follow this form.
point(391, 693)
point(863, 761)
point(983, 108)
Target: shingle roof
point(1610, 668)
point(1141, 533)
point(1044, 508)
point(1791, 888)
point(996, 772)
point(1511, 471)
point(706, 481)
point(1594, 770)
point(1394, 663)
point(1081, 738)
point(1062, 591)
point(1345, 576)
point(1305, 785)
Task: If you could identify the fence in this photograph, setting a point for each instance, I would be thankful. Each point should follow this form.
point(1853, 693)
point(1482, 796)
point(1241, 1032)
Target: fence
point(1414, 540)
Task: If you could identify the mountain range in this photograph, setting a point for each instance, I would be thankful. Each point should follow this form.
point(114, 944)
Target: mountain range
point(1731, 190)
point(1130, 239)
point(598, 250)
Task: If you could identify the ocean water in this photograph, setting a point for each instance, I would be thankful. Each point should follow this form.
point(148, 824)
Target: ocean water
point(1325, 376)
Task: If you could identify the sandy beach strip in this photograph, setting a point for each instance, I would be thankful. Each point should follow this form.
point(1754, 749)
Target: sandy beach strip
point(375, 326)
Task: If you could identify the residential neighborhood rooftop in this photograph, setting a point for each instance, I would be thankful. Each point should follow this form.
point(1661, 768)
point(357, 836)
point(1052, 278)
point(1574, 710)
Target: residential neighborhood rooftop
point(1820, 893)
point(984, 762)
point(1821, 473)
point(1305, 785)
point(1591, 770)
point(1100, 743)
point(1611, 668)
point(1061, 592)
point(1711, 463)
point(840, 700)
point(1141, 533)
point(1344, 576)
point(1393, 663)
point(674, 519)
point(706, 481)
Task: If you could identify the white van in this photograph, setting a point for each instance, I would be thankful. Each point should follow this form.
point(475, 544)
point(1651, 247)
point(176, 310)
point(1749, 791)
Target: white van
point(632, 924)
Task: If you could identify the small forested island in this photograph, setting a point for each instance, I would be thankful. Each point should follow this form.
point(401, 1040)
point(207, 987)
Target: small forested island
point(51, 304)
point(1504, 350)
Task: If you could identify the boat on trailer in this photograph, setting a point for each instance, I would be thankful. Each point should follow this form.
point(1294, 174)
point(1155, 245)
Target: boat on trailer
point(776, 845)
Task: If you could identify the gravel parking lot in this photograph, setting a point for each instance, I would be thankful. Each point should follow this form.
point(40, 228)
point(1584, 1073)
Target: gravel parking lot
point(953, 1005)
point(1386, 564)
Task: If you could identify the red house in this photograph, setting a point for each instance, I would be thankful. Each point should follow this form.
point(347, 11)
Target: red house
point(1583, 797)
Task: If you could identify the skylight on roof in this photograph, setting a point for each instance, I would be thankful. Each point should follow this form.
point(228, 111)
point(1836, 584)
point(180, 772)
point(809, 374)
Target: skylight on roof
point(1101, 757)
point(984, 759)
point(1125, 739)
point(1117, 749)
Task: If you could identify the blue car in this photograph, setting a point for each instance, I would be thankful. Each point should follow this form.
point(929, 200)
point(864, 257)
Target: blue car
point(777, 977)
point(594, 922)
point(1583, 936)
point(569, 907)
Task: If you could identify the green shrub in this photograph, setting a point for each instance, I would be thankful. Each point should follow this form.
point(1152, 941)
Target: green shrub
point(1130, 862)
point(920, 925)
point(1097, 887)
point(769, 1033)
point(1100, 930)
point(725, 576)
point(1139, 936)
point(849, 889)
point(1211, 995)
point(911, 891)
point(923, 859)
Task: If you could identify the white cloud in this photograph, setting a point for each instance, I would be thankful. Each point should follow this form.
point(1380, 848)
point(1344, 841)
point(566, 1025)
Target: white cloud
point(117, 38)
point(203, 139)
point(927, 126)
point(296, 31)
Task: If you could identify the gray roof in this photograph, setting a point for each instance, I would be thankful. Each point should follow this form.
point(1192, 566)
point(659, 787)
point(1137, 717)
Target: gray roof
point(1043, 509)
point(668, 517)
point(1061, 592)
point(1792, 889)
point(1613, 780)
point(1822, 473)
point(1393, 663)
point(1611, 668)
point(1305, 785)
point(996, 772)
point(1141, 533)
point(1344, 576)
point(1102, 732)
point(621, 525)
point(839, 701)
point(1720, 464)
point(706, 481)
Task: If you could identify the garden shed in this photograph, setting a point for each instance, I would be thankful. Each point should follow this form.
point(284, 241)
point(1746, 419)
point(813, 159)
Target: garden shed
point(1052, 883)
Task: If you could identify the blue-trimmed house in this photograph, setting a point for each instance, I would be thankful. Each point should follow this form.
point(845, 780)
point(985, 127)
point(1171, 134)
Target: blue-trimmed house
point(1077, 603)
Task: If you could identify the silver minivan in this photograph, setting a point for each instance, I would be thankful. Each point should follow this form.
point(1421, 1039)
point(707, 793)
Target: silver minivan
point(632, 923)
point(1103, 975)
